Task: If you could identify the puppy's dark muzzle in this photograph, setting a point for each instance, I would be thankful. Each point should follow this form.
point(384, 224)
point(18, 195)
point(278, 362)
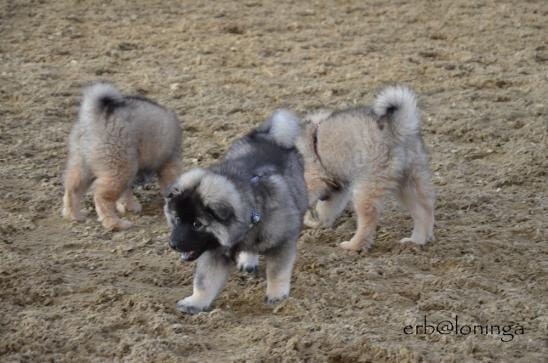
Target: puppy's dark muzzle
point(176, 238)
point(173, 244)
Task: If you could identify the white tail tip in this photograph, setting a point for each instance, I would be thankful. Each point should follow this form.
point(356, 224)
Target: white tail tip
point(400, 104)
point(284, 128)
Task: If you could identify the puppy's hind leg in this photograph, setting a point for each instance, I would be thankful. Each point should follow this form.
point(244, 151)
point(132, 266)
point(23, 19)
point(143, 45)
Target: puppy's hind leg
point(417, 194)
point(210, 277)
point(128, 203)
point(77, 181)
point(108, 189)
point(279, 266)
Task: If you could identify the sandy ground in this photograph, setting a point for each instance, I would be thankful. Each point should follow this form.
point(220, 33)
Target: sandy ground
point(73, 292)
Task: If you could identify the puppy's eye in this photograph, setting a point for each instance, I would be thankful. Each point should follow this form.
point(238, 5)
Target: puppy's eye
point(197, 225)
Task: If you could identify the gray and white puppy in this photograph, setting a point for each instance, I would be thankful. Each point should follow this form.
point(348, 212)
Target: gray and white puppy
point(361, 154)
point(116, 139)
point(252, 202)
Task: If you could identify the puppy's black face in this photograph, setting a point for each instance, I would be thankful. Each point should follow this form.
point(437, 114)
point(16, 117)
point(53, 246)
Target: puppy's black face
point(192, 223)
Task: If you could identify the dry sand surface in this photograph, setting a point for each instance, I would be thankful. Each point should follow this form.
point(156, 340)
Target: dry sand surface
point(75, 293)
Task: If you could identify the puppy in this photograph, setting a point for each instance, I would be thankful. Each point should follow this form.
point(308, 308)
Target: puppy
point(250, 203)
point(116, 139)
point(363, 153)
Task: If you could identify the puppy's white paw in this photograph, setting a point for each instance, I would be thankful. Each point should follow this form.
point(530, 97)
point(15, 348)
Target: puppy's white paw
point(277, 289)
point(116, 224)
point(271, 300)
point(190, 305)
point(123, 224)
point(414, 241)
point(351, 246)
point(133, 207)
point(309, 221)
point(248, 262)
point(78, 216)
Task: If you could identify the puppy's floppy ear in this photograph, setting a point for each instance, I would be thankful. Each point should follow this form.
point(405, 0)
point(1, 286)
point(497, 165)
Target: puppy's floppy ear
point(221, 211)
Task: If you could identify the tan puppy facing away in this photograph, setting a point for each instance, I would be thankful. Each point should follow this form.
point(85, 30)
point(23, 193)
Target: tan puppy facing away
point(115, 139)
point(362, 154)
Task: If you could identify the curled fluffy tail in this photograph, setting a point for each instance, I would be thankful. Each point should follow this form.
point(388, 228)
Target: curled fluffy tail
point(283, 127)
point(98, 97)
point(399, 104)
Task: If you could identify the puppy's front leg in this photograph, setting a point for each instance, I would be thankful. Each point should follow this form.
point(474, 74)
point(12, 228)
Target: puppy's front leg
point(211, 274)
point(279, 266)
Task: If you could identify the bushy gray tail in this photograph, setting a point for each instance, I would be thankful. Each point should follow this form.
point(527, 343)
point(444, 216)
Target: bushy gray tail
point(399, 104)
point(283, 127)
point(97, 97)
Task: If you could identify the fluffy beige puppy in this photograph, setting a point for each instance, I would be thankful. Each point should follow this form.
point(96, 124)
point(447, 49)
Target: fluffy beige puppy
point(361, 154)
point(116, 139)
